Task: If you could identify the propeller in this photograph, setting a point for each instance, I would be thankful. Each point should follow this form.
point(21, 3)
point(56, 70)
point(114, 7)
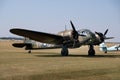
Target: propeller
point(105, 32)
point(74, 33)
point(103, 36)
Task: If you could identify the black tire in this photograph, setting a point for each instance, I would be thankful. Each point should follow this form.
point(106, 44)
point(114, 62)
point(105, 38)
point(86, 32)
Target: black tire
point(29, 51)
point(91, 52)
point(64, 51)
point(106, 52)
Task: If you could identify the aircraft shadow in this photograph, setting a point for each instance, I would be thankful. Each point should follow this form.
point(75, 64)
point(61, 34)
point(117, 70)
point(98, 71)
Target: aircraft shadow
point(44, 54)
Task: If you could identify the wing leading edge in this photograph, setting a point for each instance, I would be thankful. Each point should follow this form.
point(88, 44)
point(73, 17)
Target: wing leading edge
point(38, 36)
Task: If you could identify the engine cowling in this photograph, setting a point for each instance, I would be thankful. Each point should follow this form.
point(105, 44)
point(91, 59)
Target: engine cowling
point(66, 33)
point(69, 39)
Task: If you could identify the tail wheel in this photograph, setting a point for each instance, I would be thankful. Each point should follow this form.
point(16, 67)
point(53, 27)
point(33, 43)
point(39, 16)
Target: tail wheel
point(29, 51)
point(105, 51)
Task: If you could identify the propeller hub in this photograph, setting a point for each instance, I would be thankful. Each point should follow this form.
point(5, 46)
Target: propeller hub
point(102, 36)
point(75, 34)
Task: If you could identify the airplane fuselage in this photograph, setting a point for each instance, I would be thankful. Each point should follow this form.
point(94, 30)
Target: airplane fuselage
point(84, 35)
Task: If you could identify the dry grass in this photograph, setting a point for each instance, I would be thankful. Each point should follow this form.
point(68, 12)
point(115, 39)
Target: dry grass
point(17, 64)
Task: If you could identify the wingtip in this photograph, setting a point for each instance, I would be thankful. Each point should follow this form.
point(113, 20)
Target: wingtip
point(13, 30)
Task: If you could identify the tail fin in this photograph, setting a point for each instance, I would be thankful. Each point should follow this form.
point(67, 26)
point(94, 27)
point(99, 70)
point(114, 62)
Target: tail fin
point(103, 47)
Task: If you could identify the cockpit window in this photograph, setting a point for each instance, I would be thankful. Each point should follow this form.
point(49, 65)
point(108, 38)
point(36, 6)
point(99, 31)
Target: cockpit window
point(82, 33)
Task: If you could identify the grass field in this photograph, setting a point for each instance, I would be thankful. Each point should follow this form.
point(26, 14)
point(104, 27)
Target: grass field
point(17, 64)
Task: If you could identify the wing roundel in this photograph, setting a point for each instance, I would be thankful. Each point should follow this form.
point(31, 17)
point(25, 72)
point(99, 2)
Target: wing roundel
point(38, 36)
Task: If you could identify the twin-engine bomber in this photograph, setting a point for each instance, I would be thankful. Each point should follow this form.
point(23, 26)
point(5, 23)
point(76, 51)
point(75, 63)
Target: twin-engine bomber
point(64, 39)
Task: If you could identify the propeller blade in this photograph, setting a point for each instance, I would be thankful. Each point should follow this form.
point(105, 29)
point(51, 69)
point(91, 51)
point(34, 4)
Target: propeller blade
point(96, 32)
point(109, 37)
point(75, 33)
point(105, 32)
point(73, 26)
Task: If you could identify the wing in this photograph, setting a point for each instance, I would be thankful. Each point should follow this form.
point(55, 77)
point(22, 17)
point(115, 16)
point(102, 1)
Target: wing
point(38, 36)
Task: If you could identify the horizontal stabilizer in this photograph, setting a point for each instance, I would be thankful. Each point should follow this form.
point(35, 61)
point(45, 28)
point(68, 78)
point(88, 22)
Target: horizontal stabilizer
point(19, 45)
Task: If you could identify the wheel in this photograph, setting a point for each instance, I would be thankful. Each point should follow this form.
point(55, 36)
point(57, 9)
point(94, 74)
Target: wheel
point(105, 51)
point(29, 51)
point(64, 51)
point(91, 51)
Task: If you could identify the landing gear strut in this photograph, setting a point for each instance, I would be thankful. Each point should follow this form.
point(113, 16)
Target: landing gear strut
point(91, 51)
point(64, 51)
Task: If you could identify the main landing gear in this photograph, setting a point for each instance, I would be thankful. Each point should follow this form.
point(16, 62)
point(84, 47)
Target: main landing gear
point(64, 51)
point(91, 51)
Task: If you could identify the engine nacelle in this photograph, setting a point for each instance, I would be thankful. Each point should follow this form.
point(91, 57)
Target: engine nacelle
point(66, 33)
point(69, 39)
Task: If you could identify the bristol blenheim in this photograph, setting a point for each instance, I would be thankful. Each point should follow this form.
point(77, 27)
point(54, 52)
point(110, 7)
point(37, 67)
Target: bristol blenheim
point(64, 39)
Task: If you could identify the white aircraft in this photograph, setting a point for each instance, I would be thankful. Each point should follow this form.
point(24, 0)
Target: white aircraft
point(106, 49)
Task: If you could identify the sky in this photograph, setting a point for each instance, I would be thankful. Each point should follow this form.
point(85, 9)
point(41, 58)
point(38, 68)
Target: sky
point(51, 16)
